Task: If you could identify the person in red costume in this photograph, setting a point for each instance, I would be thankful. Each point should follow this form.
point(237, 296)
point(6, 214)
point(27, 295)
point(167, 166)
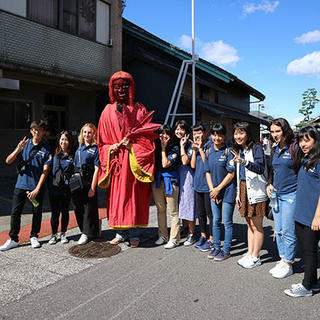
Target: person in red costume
point(126, 145)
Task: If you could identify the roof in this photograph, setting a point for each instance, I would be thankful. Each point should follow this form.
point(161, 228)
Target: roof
point(202, 64)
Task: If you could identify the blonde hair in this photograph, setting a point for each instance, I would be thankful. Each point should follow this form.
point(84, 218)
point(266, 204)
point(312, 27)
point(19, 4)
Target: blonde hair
point(94, 137)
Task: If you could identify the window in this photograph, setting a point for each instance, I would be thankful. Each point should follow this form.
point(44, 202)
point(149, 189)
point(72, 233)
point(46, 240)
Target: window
point(44, 11)
point(204, 93)
point(73, 16)
point(103, 22)
point(15, 114)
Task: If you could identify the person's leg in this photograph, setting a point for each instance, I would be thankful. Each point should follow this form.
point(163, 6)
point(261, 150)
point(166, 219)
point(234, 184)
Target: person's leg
point(91, 217)
point(277, 217)
point(250, 235)
point(19, 198)
point(65, 213)
point(227, 211)
point(161, 200)
point(207, 205)
point(37, 215)
point(258, 235)
point(308, 241)
point(201, 213)
point(172, 202)
point(288, 226)
point(55, 203)
point(216, 223)
point(78, 202)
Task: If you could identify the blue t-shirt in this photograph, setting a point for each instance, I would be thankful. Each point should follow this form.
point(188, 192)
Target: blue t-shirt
point(89, 156)
point(258, 166)
point(66, 165)
point(34, 168)
point(218, 164)
point(308, 193)
point(199, 181)
point(284, 177)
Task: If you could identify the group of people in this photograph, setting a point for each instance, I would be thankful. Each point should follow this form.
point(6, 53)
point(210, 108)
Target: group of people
point(192, 174)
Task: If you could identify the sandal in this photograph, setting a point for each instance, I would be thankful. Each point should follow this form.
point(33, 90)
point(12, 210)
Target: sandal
point(134, 243)
point(116, 241)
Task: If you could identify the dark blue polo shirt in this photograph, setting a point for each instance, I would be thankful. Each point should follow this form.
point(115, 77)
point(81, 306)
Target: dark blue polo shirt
point(173, 155)
point(89, 156)
point(34, 168)
point(257, 166)
point(308, 193)
point(284, 177)
point(66, 165)
point(199, 180)
point(218, 164)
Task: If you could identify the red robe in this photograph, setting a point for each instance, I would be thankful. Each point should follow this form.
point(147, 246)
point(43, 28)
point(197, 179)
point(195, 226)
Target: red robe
point(127, 173)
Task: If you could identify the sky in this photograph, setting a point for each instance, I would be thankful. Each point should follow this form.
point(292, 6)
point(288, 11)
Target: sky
point(274, 46)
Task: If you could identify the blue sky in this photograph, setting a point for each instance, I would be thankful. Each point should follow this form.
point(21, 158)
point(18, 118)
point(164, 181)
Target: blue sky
point(274, 46)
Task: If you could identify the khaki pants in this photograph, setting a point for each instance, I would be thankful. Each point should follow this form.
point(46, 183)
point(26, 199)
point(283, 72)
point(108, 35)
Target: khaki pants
point(162, 201)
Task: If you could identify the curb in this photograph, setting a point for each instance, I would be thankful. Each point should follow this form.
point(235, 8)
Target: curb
point(24, 235)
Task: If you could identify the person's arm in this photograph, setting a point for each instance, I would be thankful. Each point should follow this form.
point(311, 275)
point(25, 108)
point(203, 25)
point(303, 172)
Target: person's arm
point(315, 226)
point(258, 166)
point(184, 157)
point(13, 155)
point(94, 182)
point(227, 179)
point(210, 184)
point(33, 194)
point(193, 161)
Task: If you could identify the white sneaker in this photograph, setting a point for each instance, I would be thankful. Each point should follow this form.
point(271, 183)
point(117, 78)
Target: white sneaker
point(35, 243)
point(170, 245)
point(251, 262)
point(9, 244)
point(83, 239)
point(243, 258)
point(283, 271)
point(63, 238)
point(278, 264)
point(53, 239)
point(160, 241)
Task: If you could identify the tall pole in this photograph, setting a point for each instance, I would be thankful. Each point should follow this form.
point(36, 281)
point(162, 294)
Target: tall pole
point(193, 70)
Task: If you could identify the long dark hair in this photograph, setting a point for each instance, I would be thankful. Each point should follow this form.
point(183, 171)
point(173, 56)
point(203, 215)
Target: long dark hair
point(218, 128)
point(70, 147)
point(314, 156)
point(287, 132)
point(243, 126)
point(168, 130)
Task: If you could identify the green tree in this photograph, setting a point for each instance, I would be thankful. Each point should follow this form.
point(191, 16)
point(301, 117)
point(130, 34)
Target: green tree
point(309, 101)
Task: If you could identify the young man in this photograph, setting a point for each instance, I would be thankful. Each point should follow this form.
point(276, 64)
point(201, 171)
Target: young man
point(34, 162)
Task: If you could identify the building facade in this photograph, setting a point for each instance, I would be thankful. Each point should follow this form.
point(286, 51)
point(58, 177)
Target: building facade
point(56, 57)
point(155, 65)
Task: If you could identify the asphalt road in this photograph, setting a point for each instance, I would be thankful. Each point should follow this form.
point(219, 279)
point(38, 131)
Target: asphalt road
point(147, 283)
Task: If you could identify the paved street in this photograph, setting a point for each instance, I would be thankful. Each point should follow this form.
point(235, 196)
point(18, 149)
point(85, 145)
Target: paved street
point(146, 283)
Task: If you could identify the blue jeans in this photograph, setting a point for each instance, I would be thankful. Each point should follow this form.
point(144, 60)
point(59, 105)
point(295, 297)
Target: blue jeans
point(285, 227)
point(227, 209)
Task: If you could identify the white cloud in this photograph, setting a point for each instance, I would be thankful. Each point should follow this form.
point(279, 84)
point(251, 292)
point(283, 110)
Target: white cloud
point(309, 37)
point(263, 5)
point(309, 64)
point(185, 42)
point(220, 53)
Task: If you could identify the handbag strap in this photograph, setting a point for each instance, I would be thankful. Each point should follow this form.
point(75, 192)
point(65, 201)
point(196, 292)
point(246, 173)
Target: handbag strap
point(80, 159)
point(58, 164)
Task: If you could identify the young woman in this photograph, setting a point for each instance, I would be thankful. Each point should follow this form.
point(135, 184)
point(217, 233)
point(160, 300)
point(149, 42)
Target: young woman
point(186, 196)
point(283, 180)
point(165, 188)
point(85, 200)
point(59, 192)
point(251, 197)
point(219, 174)
point(199, 148)
point(307, 214)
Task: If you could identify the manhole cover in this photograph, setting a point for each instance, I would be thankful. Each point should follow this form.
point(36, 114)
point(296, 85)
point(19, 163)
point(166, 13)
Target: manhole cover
point(94, 250)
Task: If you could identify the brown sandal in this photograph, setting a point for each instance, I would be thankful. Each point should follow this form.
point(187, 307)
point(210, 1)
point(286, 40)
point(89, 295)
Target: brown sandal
point(134, 243)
